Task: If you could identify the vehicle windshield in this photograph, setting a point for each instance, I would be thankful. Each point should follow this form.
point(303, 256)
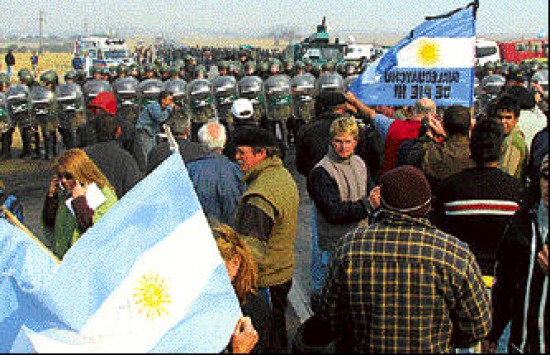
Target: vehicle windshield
point(119, 54)
point(331, 53)
point(485, 51)
point(87, 44)
point(314, 53)
point(324, 53)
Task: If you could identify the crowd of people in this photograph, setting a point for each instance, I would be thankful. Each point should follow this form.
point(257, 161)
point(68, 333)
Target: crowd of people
point(429, 224)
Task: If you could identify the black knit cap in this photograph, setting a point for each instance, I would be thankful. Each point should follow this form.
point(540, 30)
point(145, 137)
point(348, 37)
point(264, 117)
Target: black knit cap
point(331, 98)
point(255, 137)
point(406, 190)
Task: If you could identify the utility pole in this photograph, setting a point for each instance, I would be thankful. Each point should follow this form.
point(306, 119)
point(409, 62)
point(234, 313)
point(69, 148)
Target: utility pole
point(41, 21)
point(86, 27)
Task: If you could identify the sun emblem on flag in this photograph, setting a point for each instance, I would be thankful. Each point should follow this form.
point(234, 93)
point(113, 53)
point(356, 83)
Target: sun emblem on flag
point(428, 53)
point(151, 296)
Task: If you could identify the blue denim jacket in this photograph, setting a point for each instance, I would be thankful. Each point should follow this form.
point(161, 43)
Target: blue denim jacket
point(152, 117)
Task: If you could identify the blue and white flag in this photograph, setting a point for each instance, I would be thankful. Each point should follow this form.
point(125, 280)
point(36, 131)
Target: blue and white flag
point(25, 267)
point(435, 61)
point(148, 277)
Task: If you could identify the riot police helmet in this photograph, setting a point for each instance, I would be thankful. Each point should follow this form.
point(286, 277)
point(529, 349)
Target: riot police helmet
point(149, 68)
point(489, 66)
point(49, 78)
point(250, 65)
point(122, 69)
point(263, 66)
point(70, 75)
point(299, 64)
point(224, 64)
point(4, 79)
point(22, 72)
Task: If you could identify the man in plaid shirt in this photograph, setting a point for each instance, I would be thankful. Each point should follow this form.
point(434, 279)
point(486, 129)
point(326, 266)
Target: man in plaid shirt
point(401, 285)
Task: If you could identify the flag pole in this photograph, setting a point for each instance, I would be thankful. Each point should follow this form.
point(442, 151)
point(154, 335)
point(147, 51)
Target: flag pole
point(171, 140)
point(4, 212)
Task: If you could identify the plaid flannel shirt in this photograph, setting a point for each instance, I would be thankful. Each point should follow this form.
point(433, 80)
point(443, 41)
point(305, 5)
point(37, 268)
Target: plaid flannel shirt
point(401, 285)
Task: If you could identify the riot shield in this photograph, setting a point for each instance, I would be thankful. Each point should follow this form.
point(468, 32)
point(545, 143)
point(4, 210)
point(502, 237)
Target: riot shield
point(149, 91)
point(225, 92)
point(541, 78)
point(42, 107)
point(492, 84)
point(177, 87)
point(70, 104)
point(5, 120)
point(279, 98)
point(126, 92)
point(91, 88)
point(200, 103)
point(279, 108)
point(201, 100)
point(17, 97)
point(71, 112)
point(330, 82)
point(251, 87)
point(303, 87)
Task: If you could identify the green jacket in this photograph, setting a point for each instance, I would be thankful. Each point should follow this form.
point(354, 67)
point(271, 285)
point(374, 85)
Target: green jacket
point(272, 188)
point(514, 151)
point(65, 232)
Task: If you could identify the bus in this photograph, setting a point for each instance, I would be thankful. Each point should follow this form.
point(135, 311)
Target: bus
point(486, 51)
point(102, 52)
point(520, 50)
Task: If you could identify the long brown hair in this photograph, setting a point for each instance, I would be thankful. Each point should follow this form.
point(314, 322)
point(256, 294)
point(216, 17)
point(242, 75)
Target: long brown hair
point(230, 245)
point(79, 164)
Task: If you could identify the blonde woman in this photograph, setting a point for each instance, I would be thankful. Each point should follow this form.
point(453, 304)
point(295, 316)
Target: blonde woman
point(78, 196)
point(244, 277)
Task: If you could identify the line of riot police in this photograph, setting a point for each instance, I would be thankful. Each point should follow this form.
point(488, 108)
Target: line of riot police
point(282, 92)
point(493, 79)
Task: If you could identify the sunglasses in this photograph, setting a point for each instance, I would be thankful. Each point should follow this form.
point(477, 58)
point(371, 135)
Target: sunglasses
point(505, 117)
point(67, 176)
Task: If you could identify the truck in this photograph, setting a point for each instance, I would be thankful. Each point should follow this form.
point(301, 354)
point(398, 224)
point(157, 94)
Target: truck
point(358, 52)
point(317, 47)
point(97, 51)
point(486, 51)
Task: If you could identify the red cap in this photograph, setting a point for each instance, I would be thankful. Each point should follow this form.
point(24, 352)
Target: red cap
point(105, 100)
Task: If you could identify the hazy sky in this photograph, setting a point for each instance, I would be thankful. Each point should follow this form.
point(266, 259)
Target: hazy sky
point(68, 16)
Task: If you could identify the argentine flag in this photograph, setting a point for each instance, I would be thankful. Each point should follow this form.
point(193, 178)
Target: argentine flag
point(435, 61)
point(25, 267)
point(148, 277)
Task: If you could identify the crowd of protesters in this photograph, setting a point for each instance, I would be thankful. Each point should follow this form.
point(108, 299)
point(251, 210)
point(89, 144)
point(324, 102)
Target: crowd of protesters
point(429, 224)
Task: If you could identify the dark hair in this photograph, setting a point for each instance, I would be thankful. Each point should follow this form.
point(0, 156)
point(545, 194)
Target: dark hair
point(508, 103)
point(486, 141)
point(105, 127)
point(163, 94)
point(456, 120)
point(269, 151)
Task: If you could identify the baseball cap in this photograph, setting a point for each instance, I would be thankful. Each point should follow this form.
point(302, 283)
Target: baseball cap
point(242, 109)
